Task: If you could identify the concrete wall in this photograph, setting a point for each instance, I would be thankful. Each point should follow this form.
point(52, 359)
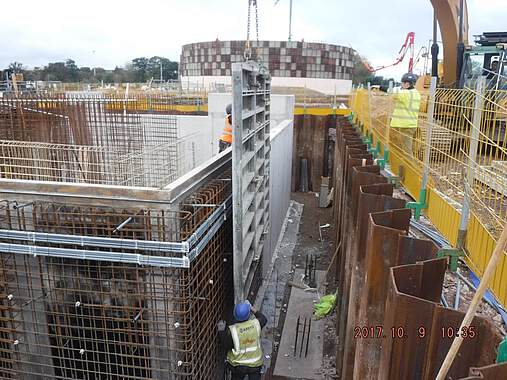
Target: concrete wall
point(280, 184)
point(326, 86)
point(199, 134)
point(196, 143)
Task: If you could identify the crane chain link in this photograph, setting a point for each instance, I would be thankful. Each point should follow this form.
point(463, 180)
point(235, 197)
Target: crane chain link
point(248, 49)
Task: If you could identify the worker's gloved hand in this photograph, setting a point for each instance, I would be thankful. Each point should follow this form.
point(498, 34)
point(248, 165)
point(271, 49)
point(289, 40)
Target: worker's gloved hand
point(221, 325)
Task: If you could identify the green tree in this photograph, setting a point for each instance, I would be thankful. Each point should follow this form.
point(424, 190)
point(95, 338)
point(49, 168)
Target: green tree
point(169, 68)
point(71, 71)
point(16, 67)
point(54, 71)
point(361, 72)
point(140, 68)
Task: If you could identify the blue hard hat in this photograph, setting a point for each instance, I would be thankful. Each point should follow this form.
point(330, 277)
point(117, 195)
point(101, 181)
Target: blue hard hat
point(241, 311)
point(409, 77)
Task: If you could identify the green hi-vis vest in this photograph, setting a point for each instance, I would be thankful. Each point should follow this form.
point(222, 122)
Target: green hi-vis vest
point(406, 109)
point(246, 337)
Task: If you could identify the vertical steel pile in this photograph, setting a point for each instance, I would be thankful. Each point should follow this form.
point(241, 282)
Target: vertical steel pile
point(424, 330)
point(385, 248)
point(371, 198)
point(353, 169)
point(490, 372)
point(381, 334)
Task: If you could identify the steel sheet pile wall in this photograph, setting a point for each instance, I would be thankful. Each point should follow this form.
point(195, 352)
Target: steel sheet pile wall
point(382, 332)
point(313, 142)
point(64, 317)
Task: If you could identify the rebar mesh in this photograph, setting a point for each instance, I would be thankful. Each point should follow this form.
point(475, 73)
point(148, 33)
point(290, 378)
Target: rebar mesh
point(90, 138)
point(82, 319)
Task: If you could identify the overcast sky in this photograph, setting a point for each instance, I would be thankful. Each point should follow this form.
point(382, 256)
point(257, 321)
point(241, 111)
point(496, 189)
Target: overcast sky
point(107, 33)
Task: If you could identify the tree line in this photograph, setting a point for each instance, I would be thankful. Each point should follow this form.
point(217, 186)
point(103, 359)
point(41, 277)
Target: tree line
point(139, 70)
point(362, 75)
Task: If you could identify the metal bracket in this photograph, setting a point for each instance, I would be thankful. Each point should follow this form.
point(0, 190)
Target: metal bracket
point(418, 206)
point(454, 254)
point(394, 180)
point(502, 352)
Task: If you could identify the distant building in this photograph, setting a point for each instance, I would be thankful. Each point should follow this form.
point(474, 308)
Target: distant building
point(322, 67)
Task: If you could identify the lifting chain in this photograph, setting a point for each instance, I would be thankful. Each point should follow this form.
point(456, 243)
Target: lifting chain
point(248, 49)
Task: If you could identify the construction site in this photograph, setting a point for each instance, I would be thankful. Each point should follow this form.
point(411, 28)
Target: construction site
point(129, 233)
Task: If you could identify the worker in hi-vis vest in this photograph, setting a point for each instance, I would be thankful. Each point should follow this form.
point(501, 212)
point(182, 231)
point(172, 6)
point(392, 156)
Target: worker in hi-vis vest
point(405, 114)
point(242, 340)
point(226, 138)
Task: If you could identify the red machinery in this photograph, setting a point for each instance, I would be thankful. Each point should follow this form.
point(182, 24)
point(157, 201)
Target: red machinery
point(408, 44)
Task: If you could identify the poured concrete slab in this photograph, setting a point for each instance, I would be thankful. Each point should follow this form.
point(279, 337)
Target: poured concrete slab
point(288, 365)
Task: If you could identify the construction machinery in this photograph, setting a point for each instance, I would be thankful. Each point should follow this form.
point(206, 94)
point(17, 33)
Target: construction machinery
point(487, 58)
point(407, 45)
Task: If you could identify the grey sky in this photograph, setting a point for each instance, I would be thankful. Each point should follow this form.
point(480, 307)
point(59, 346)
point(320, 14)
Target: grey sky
point(108, 33)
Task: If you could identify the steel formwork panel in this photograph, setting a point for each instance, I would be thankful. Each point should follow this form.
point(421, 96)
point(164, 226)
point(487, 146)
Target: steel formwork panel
point(250, 167)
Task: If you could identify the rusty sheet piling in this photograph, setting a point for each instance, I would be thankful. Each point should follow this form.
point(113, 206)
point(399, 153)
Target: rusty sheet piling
point(385, 229)
point(371, 198)
point(390, 323)
point(490, 372)
point(422, 330)
point(358, 175)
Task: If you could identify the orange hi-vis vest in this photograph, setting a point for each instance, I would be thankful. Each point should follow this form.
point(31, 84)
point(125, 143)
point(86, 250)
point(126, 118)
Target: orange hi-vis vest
point(227, 134)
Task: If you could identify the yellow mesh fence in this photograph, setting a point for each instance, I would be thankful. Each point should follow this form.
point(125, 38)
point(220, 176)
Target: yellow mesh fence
point(468, 154)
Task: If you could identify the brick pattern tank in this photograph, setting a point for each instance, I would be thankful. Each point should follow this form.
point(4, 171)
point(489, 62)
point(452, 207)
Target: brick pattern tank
point(283, 58)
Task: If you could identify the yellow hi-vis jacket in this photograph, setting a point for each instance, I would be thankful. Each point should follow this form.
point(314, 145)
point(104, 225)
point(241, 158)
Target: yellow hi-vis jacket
point(246, 337)
point(406, 109)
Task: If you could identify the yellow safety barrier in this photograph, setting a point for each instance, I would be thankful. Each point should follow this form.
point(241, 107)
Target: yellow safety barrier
point(467, 161)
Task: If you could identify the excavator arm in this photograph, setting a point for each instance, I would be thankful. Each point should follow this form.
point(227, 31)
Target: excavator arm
point(447, 14)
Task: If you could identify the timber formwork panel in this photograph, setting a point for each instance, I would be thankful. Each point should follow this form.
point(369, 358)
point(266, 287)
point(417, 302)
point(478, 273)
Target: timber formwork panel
point(64, 317)
point(250, 167)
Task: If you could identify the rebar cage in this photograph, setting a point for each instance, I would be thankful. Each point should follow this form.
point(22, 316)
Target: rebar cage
point(91, 138)
point(78, 318)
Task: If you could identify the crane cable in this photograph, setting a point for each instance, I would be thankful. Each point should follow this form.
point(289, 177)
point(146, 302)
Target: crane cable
point(248, 49)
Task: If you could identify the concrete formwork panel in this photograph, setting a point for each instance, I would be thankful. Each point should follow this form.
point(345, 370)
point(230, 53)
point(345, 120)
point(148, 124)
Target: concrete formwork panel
point(250, 171)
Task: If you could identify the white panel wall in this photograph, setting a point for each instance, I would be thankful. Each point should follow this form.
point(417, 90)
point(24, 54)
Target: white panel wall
point(197, 136)
point(280, 182)
point(326, 86)
point(201, 133)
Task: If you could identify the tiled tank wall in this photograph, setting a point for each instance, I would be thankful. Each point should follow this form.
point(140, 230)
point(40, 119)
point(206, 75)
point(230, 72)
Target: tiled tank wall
point(283, 59)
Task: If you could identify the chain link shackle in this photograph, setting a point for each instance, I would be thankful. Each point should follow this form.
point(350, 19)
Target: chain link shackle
point(247, 54)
